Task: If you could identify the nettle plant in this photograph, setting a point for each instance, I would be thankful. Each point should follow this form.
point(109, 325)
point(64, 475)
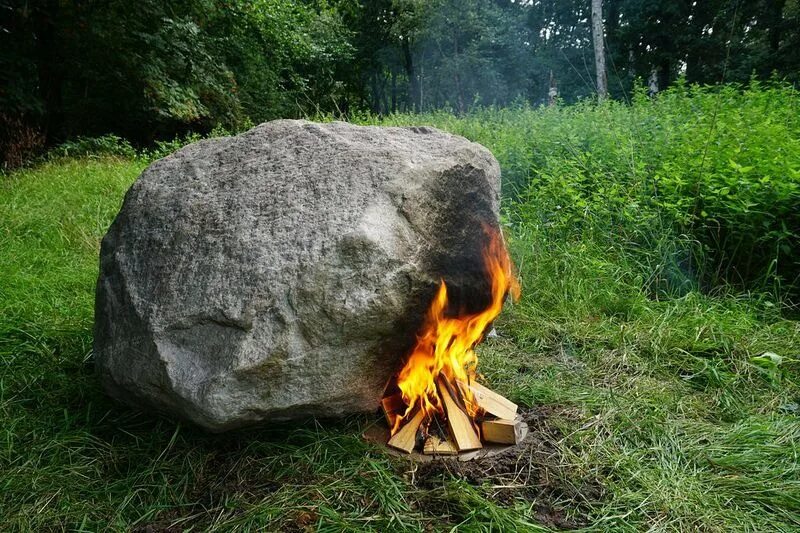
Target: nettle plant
point(698, 186)
point(731, 178)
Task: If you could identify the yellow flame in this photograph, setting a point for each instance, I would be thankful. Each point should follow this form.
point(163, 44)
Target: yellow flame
point(445, 345)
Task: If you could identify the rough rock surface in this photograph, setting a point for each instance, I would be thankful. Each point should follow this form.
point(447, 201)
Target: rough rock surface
point(283, 272)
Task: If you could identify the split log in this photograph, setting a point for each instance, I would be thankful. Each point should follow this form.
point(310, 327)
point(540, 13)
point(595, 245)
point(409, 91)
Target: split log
point(503, 431)
point(393, 406)
point(491, 402)
point(464, 435)
point(436, 446)
point(406, 438)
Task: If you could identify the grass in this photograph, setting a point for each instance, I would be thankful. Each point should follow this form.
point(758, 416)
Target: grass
point(657, 410)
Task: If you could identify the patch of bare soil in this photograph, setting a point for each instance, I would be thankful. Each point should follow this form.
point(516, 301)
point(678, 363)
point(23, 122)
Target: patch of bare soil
point(535, 471)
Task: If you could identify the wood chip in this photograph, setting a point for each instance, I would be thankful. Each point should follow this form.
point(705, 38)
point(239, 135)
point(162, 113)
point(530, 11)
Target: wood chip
point(436, 446)
point(406, 438)
point(491, 402)
point(503, 431)
point(460, 425)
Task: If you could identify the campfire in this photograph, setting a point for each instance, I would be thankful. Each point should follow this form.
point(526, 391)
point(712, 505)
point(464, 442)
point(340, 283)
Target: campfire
point(435, 404)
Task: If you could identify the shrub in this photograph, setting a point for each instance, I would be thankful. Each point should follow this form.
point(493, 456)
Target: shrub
point(107, 145)
point(19, 141)
point(698, 187)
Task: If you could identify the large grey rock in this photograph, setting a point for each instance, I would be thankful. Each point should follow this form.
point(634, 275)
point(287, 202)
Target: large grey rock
point(283, 272)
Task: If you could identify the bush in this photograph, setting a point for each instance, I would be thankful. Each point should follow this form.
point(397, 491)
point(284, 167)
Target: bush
point(164, 148)
point(107, 145)
point(20, 141)
point(699, 187)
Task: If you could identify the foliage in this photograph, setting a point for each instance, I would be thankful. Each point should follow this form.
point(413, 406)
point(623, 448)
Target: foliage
point(681, 404)
point(699, 187)
point(151, 70)
point(711, 41)
point(107, 145)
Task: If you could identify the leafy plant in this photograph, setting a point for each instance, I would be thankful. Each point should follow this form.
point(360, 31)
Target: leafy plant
point(697, 188)
point(107, 145)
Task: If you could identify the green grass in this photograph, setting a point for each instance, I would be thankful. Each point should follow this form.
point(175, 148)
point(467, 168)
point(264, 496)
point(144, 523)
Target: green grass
point(658, 412)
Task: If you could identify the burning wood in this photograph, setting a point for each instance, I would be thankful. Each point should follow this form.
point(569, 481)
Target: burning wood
point(406, 439)
point(451, 430)
point(393, 408)
point(437, 387)
point(490, 401)
point(458, 421)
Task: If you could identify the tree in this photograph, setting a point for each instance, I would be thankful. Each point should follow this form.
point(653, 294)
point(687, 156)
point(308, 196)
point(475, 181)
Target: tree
point(599, 49)
point(152, 69)
point(561, 44)
point(473, 51)
point(156, 68)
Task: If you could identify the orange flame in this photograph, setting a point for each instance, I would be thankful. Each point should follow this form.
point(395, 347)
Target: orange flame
point(445, 345)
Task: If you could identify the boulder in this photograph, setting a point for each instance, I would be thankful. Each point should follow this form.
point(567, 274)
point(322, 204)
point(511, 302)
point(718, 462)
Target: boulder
point(283, 272)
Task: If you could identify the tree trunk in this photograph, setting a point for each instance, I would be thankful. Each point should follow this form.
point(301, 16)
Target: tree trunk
point(701, 14)
point(457, 77)
point(49, 68)
point(775, 16)
point(664, 73)
point(652, 83)
point(394, 92)
point(384, 95)
point(374, 99)
point(774, 32)
point(612, 40)
point(599, 49)
point(552, 93)
point(408, 62)
point(421, 83)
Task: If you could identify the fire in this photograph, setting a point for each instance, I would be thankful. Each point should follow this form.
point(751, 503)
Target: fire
point(445, 344)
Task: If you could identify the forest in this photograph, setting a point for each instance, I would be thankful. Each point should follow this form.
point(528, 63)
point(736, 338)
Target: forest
point(654, 221)
point(149, 70)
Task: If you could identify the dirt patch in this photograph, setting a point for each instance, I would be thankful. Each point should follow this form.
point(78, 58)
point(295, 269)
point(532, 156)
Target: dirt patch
point(164, 525)
point(534, 471)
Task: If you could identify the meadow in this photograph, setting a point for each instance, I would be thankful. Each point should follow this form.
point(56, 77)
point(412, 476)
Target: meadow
point(656, 347)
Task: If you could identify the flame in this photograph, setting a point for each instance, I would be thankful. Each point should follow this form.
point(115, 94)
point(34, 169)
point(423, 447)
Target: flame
point(445, 345)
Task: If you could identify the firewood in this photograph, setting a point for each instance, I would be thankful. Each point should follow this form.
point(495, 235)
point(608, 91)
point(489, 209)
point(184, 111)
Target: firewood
point(436, 446)
point(393, 406)
point(406, 438)
point(503, 431)
point(491, 402)
point(460, 425)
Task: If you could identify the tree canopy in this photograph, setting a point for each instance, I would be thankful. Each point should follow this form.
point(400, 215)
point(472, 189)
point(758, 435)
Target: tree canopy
point(152, 69)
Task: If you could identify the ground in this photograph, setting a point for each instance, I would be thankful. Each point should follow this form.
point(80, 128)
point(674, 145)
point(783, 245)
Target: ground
point(646, 413)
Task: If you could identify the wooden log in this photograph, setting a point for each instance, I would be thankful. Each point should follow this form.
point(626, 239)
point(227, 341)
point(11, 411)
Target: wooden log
point(503, 431)
point(436, 446)
point(460, 425)
point(406, 438)
point(393, 406)
point(491, 402)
